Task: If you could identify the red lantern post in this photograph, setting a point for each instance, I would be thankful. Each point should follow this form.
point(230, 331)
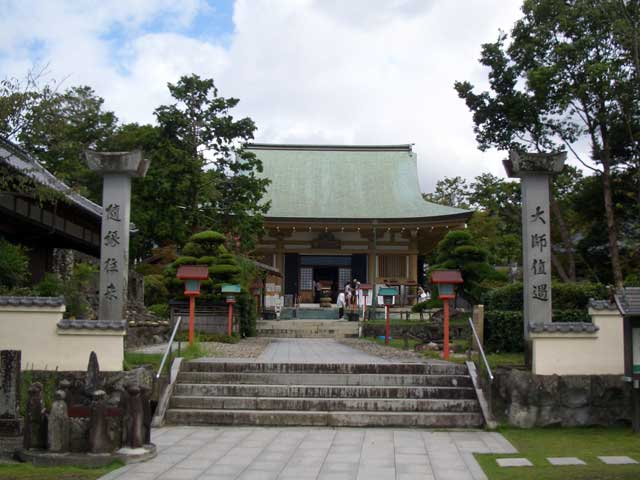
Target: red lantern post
point(192, 276)
point(445, 280)
point(388, 294)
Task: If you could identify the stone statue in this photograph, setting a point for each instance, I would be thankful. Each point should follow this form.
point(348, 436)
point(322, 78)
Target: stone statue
point(92, 380)
point(135, 418)
point(35, 418)
point(145, 395)
point(58, 425)
point(98, 435)
point(65, 386)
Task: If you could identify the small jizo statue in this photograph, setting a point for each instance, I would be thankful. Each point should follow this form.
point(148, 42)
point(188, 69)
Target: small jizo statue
point(35, 418)
point(58, 425)
point(145, 395)
point(98, 436)
point(135, 418)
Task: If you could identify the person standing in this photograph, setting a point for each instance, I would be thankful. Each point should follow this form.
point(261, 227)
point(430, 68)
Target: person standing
point(340, 303)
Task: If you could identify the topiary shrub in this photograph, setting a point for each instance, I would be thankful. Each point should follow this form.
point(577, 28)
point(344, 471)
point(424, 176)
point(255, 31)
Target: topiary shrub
point(427, 305)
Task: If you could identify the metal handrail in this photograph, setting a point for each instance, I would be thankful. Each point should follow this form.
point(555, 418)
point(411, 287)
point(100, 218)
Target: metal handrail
point(484, 358)
point(168, 350)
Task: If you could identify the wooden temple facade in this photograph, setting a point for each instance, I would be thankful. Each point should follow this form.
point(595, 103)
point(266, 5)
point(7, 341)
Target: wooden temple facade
point(344, 212)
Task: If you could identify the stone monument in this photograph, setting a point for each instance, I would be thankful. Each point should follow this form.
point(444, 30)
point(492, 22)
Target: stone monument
point(10, 422)
point(35, 419)
point(535, 171)
point(117, 169)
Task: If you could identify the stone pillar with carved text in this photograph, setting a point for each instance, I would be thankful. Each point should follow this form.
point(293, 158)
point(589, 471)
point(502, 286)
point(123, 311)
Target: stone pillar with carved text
point(117, 169)
point(534, 171)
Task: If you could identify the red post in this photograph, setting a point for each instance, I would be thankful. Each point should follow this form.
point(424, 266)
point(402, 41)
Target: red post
point(192, 318)
point(230, 319)
point(445, 350)
point(387, 329)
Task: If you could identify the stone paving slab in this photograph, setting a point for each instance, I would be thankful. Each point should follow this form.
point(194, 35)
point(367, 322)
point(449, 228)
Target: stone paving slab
point(207, 453)
point(514, 462)
point(562, 461)
point(313, 350)
point(618, 460)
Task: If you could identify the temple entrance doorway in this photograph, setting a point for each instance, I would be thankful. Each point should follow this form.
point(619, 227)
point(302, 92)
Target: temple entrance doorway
point(327, 275)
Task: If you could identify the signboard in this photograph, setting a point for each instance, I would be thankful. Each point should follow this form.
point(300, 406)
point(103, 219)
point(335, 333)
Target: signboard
point(635, 346)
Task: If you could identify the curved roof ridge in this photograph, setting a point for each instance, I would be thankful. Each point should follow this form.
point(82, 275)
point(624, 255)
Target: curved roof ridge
point(405, 147)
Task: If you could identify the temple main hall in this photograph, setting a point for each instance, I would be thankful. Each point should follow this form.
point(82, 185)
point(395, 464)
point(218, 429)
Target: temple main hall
point(339, 212)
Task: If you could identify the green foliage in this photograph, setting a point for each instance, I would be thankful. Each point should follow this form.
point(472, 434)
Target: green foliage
point(565, 296)
point(160, 310)
point(248, 316)
point(457, 251)
point(224, 271)
point(209, 237)
point(50, 286)
point(77, 288)
point(632, 280)
point(183, 336)
point(503, 331)
point(149, 269)
point(186, 260)
point(567, 73)
point(155, 290)
point(14, 265)
point(427, 305)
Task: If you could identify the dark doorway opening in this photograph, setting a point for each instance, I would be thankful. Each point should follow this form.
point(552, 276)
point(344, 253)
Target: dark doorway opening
point(327, 274)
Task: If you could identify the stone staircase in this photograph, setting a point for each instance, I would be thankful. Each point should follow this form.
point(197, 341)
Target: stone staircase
point(307, 328)
point(304, 394)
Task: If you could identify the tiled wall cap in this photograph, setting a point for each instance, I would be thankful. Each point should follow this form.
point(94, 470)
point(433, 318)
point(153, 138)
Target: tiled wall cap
point(563, 327)
point(32, 301)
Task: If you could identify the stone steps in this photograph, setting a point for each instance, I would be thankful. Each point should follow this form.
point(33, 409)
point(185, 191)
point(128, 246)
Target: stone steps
point(325, 404)
point(326, 368)
point(335, 419)
point(310, 328)
point(437, 395)
point(332, 391)
point(365, 379)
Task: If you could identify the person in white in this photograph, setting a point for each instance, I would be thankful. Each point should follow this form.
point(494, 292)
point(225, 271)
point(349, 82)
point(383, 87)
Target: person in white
point(422, 295)
point(340, 303)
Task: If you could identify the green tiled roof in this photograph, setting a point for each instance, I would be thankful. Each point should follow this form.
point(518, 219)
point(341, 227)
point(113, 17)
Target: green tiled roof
point(345, 182)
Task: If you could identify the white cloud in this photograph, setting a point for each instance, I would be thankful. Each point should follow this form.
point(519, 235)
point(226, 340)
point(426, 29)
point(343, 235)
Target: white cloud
point(306, 71)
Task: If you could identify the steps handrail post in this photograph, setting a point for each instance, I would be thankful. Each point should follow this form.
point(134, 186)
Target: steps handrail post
point(168, 349)
point(484, 358)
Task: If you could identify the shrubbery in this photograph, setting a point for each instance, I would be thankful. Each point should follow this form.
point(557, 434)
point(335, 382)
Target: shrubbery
point(155, 290)
point(14, 265)
point(504, 306)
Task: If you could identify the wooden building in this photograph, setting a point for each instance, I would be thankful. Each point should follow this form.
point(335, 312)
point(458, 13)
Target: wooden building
point(66, 220)
point(346, 211)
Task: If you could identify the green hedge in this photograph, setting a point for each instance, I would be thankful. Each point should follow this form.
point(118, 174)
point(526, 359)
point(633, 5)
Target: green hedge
point(503, 329)
point(565, 296)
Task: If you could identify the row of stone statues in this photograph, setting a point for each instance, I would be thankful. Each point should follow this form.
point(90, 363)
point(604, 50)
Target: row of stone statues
point(85, 418)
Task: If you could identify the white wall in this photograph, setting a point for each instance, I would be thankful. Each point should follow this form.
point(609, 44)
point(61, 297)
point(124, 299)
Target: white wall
point(598, 353)
point(34, 331)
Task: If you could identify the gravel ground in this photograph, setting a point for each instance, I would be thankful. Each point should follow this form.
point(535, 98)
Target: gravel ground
point(246, 348)
point(388, 353)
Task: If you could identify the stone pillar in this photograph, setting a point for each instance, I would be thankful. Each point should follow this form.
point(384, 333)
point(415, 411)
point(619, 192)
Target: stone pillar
point(10, 422)
point(535, 170)
point(117, 169)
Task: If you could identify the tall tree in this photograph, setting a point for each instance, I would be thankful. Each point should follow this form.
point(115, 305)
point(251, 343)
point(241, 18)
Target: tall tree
point(567, 73)
point(224, 190)
point(60, 127)
point(452, 192)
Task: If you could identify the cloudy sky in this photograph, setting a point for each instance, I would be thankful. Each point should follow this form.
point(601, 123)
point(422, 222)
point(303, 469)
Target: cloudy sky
point(307, 71)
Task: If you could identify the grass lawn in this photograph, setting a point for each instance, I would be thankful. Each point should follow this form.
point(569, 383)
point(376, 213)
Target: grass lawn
point(26, 471)
point(188, 352)
point(584, 443)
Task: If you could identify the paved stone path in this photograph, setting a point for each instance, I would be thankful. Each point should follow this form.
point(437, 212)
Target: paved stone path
point(314, 350)
point(208, 453)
